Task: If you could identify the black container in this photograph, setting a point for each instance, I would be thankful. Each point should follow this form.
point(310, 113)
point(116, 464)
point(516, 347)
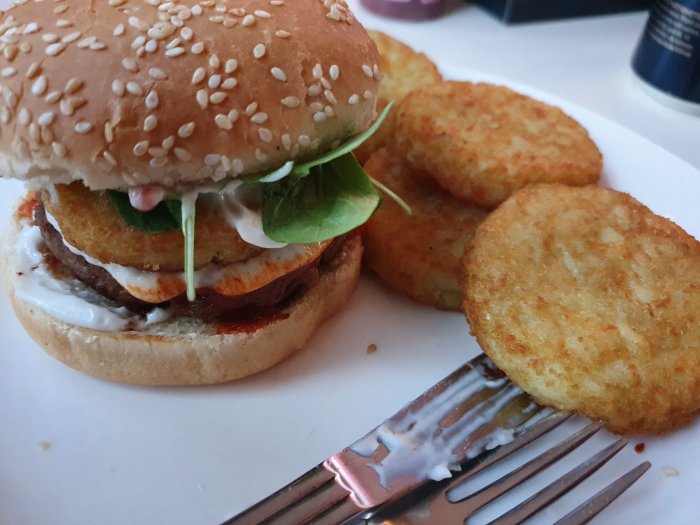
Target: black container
point(518, 11)
point(667, 58)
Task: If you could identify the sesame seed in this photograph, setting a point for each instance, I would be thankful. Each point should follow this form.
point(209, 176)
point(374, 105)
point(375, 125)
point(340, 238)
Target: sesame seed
point(60, 9)
point(31, 27)
point(8, 72)
point(58, 149)
point(259, 51)
point(330, 97)
point(218, 97)
point(251, 108)
point(140, 148)
point(53, 97)
point(316, 106)
point(47, 135)
point(182, 154)
point(230, 66)
point(317, 71)
point(265, 135)
point(10, 98)
point(262, 14)
point(55, 49)
point(39, 86)
point(24, 47)
point(10, 52)
point(202, 98)
point(233, 115)
point(314, 90)
point(4, 115)
point(214, 61)
point(87, 42)
point(130, 64)
point(109, 132)
point(138, 23)
point(115, 3)
point(248, 20)
point(62, 22)
point(168, 142)
point(151, 46)
point(150, 123)
point(109, 158)
point(119, 30)
point(175, 52)
point(73, 85)
point(174, 43)
point(280, 33)
point(229, 22)
point(375, 69)
point(222, 121)
point(326, 83)
point(225, 163)
point(320, 117)
point(367, 71)
point(367, 94)
point(196, 10)
point(118, 88)
point(46, 118)
point(291, 102)
point(212, 159)
point(229, 83)
point(157, 73)
point(214, 81)
point(277, 2)
point(186, 130)
point(262, 157)
point(157, 152)
point(152, 100)
point(71, 37)
point(197, 48)
point(354, 99)
point(138, 42)
point(334, 72)
point(216, 19)
point(34, 134)
point(237, 165)
point(158, 162)
point(186, 33)
point(24, 116)
point(133, 88)
point(32, 70)
point(259, 118)
point(329, 111)
point(287, 141)
point(279, 74)
point(83, 127)
point(49, 38)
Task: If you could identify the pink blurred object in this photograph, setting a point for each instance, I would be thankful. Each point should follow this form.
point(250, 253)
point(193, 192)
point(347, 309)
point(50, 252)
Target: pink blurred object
point(407, 9)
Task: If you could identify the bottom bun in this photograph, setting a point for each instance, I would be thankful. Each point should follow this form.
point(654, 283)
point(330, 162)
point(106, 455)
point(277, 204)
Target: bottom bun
point(189, 351)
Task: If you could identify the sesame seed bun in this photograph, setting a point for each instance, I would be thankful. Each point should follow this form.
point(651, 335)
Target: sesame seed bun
point(128, 93)
point(185, 351)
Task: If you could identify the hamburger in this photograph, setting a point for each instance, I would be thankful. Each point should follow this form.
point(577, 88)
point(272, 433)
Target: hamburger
point(193, 199)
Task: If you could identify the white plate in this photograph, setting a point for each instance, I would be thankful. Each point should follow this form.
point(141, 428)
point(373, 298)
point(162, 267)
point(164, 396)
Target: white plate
point(77, 450)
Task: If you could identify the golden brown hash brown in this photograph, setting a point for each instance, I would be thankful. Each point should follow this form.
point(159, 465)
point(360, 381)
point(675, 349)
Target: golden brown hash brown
point(590, 302)
point(90, 222)
point(420, 254)
point(482, 142)
point(403, 70)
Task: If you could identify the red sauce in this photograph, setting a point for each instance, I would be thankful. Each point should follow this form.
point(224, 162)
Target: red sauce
point(26, 208)
point(639, 448)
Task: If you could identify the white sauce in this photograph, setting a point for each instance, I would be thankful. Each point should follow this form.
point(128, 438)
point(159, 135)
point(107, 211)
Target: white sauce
point(416, 449)
point(68, 300)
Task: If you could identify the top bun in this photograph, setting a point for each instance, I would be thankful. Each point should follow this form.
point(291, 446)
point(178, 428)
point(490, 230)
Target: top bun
point(121, 93)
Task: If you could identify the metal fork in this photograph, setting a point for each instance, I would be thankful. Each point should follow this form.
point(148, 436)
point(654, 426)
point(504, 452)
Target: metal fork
point(438, 507)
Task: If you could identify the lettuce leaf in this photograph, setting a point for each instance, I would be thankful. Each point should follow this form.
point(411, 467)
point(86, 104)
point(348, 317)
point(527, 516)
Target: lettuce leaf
point(164, 217)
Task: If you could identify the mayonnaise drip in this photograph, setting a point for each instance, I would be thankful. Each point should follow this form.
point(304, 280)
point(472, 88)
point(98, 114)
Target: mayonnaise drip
point(68, 300)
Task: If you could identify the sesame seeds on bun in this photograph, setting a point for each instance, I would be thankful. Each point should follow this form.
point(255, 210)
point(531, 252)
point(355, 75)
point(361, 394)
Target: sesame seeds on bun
point(123, 93)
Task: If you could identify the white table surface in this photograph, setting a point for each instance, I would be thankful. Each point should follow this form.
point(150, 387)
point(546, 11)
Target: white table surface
point(584, 60)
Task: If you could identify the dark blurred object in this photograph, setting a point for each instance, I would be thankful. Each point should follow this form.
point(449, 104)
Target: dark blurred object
point(667, 59)
point(407, 9)
point(516, 11)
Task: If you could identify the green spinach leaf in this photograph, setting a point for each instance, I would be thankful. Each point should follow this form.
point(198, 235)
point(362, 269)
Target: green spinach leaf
point(333, 199)
point(164, 217)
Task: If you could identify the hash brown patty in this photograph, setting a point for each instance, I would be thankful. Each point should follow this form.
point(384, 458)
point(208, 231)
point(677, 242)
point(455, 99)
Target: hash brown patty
point(420, 254)
point(482, 142)
point(590, 302)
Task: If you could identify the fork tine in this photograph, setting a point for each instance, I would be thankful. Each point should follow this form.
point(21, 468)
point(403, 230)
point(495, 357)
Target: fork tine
point(593, 506)
point(559, 487)
point(474, 502)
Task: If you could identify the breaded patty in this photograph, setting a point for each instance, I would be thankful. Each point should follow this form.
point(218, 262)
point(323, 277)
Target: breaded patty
point(591, 303)
point(89, 222)
point(403, 70)
point(483, 142)
point(420, 254)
